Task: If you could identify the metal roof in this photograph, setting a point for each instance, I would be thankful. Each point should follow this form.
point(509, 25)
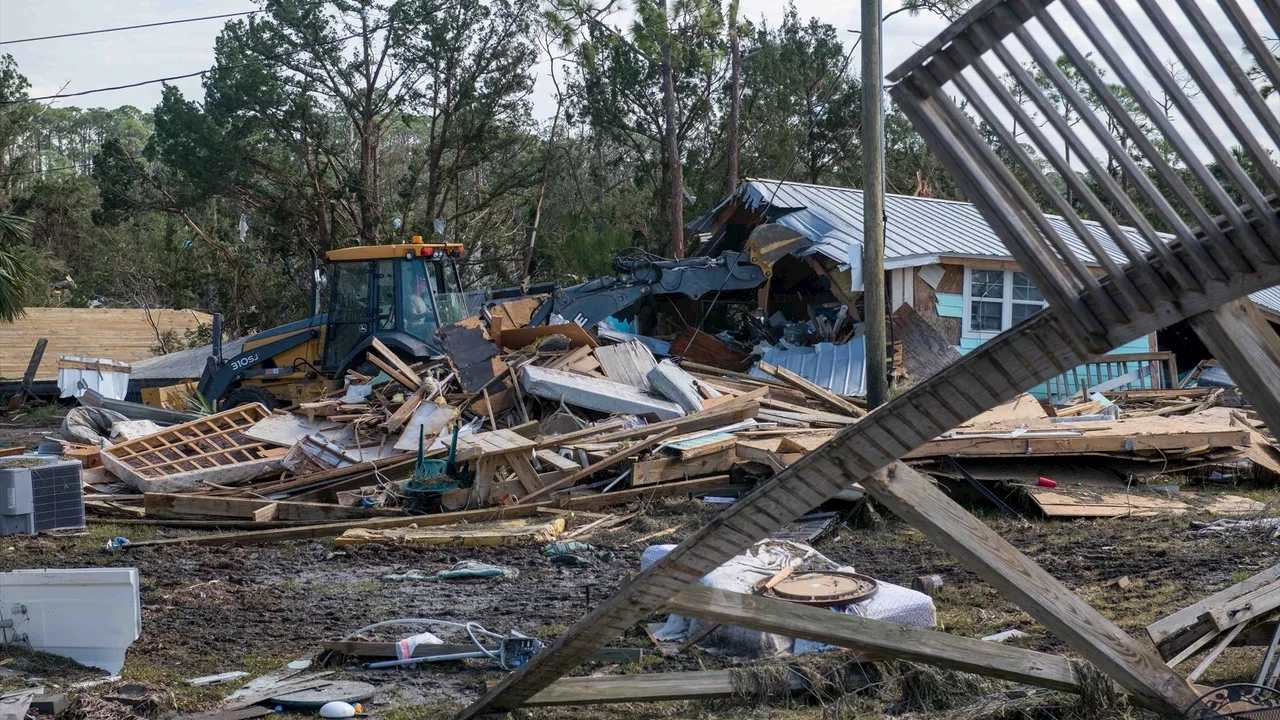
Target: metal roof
point(917, 230)
point(841, 369)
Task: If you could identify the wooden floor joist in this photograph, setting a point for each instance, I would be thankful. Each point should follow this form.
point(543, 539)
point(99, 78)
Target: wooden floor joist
point(883, 639)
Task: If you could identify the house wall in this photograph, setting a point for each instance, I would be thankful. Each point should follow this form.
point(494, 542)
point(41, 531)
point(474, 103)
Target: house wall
point(939, 295)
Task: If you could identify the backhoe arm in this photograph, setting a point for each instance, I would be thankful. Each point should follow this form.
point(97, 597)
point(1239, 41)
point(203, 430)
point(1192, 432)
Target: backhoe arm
point(593, 301)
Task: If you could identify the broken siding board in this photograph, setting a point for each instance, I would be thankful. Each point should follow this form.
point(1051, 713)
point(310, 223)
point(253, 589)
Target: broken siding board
point(1187, 621)
point(594, 393)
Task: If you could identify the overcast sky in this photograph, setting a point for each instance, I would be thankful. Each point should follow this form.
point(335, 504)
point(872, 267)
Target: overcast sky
point(94, 61)
point(120, 58)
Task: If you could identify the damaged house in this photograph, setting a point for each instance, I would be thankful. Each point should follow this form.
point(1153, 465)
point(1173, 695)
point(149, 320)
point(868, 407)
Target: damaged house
point(944, 262)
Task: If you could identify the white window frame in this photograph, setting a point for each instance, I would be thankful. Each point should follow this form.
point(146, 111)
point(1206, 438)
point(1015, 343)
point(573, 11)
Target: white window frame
point(1006, 304)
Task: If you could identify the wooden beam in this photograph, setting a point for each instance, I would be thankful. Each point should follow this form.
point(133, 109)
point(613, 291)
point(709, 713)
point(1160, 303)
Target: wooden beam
point(400, 365)
point(915, 499)
point(167, 505)
point(1243, 341)
point(356, 648)
point(740, 408)
point(700, 685)
point(887, 639)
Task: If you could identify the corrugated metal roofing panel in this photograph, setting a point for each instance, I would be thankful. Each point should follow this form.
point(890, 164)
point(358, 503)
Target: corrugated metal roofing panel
point(832, 218)
point(839, 368)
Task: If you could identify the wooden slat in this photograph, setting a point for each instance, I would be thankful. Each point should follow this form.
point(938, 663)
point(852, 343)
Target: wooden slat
point(815, 391)
point(1167, 628)
point(179, 505)
point(699, 685)
point(887, 639)
point(401, 366)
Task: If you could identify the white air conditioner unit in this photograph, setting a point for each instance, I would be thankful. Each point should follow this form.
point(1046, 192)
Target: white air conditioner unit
point(40, 497)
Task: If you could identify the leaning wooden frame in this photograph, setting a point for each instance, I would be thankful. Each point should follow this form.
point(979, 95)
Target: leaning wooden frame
point(1149, 281)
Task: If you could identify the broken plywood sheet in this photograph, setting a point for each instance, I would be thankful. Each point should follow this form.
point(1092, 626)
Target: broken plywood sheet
point(427, 422)
point(1023, 408)
point(628, 363)
point(212, 449)
point(594, 393)
point(521, 337)
point(924, 350)
point(1055, 503)
point(1073, 502)
point(503, 532)
point(288, 429)
point(473, 355)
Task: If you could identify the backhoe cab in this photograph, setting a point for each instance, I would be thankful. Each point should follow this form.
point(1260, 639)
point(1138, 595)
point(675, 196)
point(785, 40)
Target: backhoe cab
point(398, 294)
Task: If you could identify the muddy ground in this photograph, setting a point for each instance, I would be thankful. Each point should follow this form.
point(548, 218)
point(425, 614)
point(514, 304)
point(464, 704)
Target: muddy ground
point(255, 608)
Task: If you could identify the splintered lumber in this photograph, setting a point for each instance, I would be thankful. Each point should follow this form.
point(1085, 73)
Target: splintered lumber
point(697, 486)
point(653, 687)
point(552, 441)
point(594, 393)
point(596, 467)
point(886, 639)
point(1105, 505)
point(651, 472)
point(363, 649)
point(164, 505)
point(396, 421)
point(808, 415)
point(1241, 338)
point(402, 368)
point(393, 372)
point(814, 390)
point(1173, 633)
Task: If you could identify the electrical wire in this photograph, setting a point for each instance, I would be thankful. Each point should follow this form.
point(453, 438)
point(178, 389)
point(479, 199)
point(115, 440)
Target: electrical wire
point(260, 61)
point(127, 27)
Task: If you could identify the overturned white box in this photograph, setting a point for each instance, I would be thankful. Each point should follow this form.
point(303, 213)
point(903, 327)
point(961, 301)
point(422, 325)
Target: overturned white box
point(90, 615)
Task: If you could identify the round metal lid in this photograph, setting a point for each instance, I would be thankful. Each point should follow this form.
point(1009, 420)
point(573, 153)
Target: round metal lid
point(825, 588)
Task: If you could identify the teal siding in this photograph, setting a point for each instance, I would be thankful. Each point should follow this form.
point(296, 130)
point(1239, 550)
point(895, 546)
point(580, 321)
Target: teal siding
point(950, 305)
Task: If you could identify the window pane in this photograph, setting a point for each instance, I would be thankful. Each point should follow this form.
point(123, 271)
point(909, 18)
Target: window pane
point(1022, 311)
point(986, 284)
point(419, 316)
point(984, 316)
point(1024, 289)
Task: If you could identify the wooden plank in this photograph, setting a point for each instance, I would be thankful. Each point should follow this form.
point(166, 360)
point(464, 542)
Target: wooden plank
point(551, 441)
point(355, 648)
point(595, 467)
point(742, 408)
point(555, 461)
point(1243, 341)
point(809, 414)
point(900, 642)
point(405, 371)
point(524, 471)
point(1254, 604)
point(392, 372)
point(1213, 654)
point(265, 513)
point(815, 391)
point(697, 486)
point(914, 498)
point(698, 685)
point(181, 505)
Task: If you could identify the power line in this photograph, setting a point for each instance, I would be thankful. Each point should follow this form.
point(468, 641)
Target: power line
point(247, 63)
point(86, 166)
point(127, 27)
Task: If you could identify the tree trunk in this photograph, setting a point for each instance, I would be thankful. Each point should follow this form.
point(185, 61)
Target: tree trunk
point(735, 98)
point(368, 191)
point(674, 171)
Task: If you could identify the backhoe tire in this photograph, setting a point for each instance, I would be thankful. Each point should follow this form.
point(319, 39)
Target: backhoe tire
point(248, 394)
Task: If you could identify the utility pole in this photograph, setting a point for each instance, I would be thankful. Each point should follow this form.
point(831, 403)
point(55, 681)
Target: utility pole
point(671, 141)
point(735, 99)
point(873, 205)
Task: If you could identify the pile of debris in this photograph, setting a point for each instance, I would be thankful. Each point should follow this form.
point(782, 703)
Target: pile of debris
point(553, 415)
